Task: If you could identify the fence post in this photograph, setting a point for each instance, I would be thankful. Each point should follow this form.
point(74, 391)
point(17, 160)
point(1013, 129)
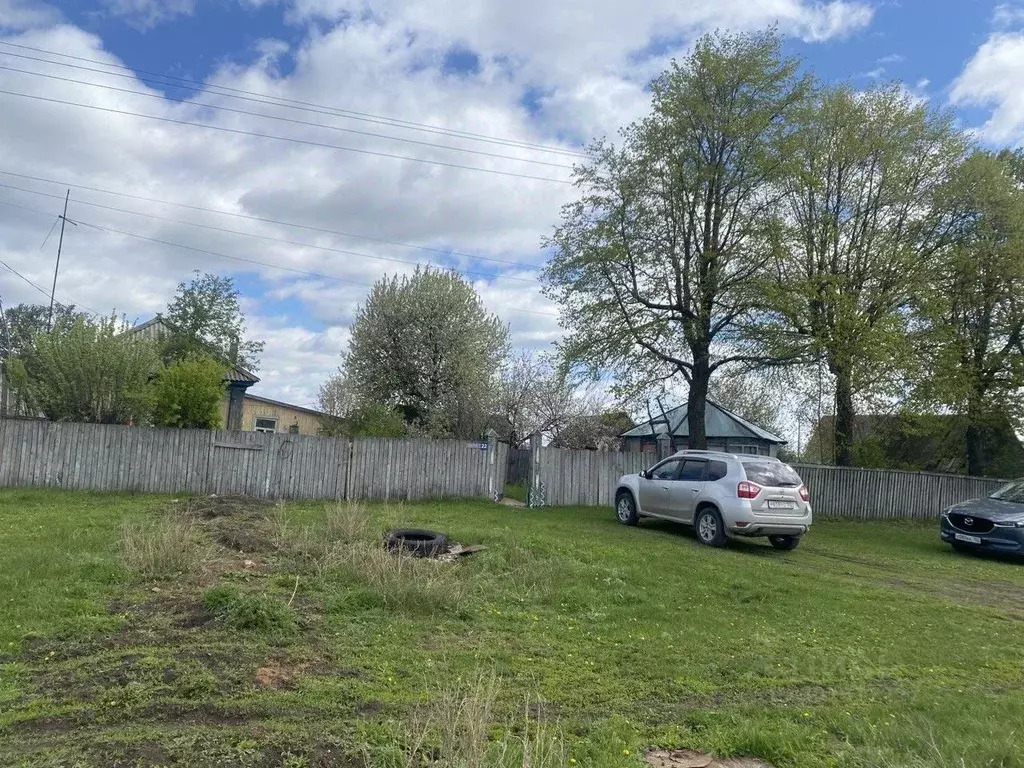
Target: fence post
point(493, 491)
point(535, 493)
point(664, 446)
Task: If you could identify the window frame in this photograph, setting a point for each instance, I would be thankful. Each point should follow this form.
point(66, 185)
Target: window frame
point(678, 459)
point(707, 473)
point(257, 428)
point(747, 449)
point(703, 471)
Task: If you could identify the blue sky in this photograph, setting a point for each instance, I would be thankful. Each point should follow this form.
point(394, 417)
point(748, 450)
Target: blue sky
point(536, 77)
point(908, 40)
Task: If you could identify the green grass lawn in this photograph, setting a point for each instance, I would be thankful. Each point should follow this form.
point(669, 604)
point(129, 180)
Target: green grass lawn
point(571, 638)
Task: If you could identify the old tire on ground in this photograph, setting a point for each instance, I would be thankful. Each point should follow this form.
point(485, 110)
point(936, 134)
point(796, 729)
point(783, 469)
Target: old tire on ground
point(710, 528)
point(417, 542)
point(785, 543)
point(625, 508)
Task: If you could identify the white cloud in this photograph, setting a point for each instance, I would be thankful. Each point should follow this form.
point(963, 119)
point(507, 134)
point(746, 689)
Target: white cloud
point(992, 78)
point(145, 14)
point(19, 15)
point(559, 41)
point(1007, 15)
point(580, 61)
point(892, 58)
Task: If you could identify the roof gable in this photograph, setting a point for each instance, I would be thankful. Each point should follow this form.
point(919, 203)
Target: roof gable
point(718, 423)
point(157, 327)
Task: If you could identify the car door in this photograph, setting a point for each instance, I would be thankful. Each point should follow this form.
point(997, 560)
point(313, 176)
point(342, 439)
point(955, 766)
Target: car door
point(654, 490)
point(684, 491)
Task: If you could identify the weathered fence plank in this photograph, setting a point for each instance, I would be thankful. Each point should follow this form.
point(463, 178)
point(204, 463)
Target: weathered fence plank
point(276, 466)
point(587, 478)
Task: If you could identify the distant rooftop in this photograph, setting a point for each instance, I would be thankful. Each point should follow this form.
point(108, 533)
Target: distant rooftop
point(718, 423)
point(156, 327)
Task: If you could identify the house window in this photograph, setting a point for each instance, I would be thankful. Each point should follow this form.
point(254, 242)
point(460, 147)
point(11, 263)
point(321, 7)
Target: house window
point(265, 425)
point(751, 449)
point(293, 429)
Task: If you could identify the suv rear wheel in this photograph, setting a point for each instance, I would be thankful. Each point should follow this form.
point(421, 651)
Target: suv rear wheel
point(784, 543)
point(710, 528)
point(625, 508)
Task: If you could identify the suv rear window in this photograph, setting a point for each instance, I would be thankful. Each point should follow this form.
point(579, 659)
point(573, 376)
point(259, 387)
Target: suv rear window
point(771, 474)
point(717, 470)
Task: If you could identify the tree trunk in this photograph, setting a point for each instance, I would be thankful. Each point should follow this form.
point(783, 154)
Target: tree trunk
point(975, 437)
point(975, 450)
point(696, 403)
point(844, 418)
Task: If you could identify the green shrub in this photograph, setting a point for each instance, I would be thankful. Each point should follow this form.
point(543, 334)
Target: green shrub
point(259, 613)
point(188, 393)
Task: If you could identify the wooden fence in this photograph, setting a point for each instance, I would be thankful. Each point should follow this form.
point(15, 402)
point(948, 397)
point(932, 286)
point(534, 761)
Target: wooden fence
point(272, 466)
point(588, 478)
point(582, 478)
point(888, 494)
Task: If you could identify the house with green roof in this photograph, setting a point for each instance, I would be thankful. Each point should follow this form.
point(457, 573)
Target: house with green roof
point(725, 430)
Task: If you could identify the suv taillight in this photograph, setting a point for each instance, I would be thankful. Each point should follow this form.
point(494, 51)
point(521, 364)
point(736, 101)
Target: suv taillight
point(747, 490)
point(804, 493)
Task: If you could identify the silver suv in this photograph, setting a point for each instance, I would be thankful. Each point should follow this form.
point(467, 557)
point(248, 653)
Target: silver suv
point(720, 495)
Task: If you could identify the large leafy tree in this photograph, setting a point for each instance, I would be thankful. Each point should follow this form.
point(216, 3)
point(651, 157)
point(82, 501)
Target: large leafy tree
point(19, 326)
point(860, 222)
point(23, 322)
point(345, 414)
point(972, 305)
point(757, 397)
point(91, 371)
point(206, 319)
point(657, 266)
point(425, 345)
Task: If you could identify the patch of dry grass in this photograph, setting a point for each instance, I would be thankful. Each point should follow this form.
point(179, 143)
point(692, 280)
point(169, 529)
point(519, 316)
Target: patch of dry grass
point(402, 582)
point(458, 731)
point(162, 548)
point(347, 522)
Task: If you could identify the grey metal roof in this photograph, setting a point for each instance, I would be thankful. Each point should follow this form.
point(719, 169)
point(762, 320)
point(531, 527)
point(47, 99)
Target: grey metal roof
point(280, 404)
point(155, 328)
point(718, 423)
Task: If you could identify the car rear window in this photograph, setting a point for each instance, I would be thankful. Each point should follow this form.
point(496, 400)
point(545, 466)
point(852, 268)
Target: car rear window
point(717, 470)
point(771, 474)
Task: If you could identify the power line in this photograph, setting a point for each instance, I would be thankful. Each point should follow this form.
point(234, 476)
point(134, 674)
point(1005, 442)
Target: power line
point(249, 217)
point(43, 291)
point(283, 241)
point(304, 105)
point(257, 134)
point(17, 273)
point(218, 254)
point(280, 118)
point(262, 263)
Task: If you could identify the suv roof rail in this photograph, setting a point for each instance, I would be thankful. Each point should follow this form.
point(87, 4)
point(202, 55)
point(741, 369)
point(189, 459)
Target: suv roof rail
point(699, 452)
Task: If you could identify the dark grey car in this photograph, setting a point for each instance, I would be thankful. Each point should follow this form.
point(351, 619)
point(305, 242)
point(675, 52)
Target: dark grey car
point(992, 524)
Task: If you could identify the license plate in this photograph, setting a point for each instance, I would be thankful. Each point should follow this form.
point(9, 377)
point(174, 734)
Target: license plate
point(781, 504)
point(968, 539)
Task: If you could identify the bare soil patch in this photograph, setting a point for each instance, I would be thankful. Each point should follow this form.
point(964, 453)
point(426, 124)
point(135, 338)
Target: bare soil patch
point(686, 758)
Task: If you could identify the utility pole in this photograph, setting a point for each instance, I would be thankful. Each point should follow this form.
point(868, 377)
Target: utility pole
point(56, 268)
